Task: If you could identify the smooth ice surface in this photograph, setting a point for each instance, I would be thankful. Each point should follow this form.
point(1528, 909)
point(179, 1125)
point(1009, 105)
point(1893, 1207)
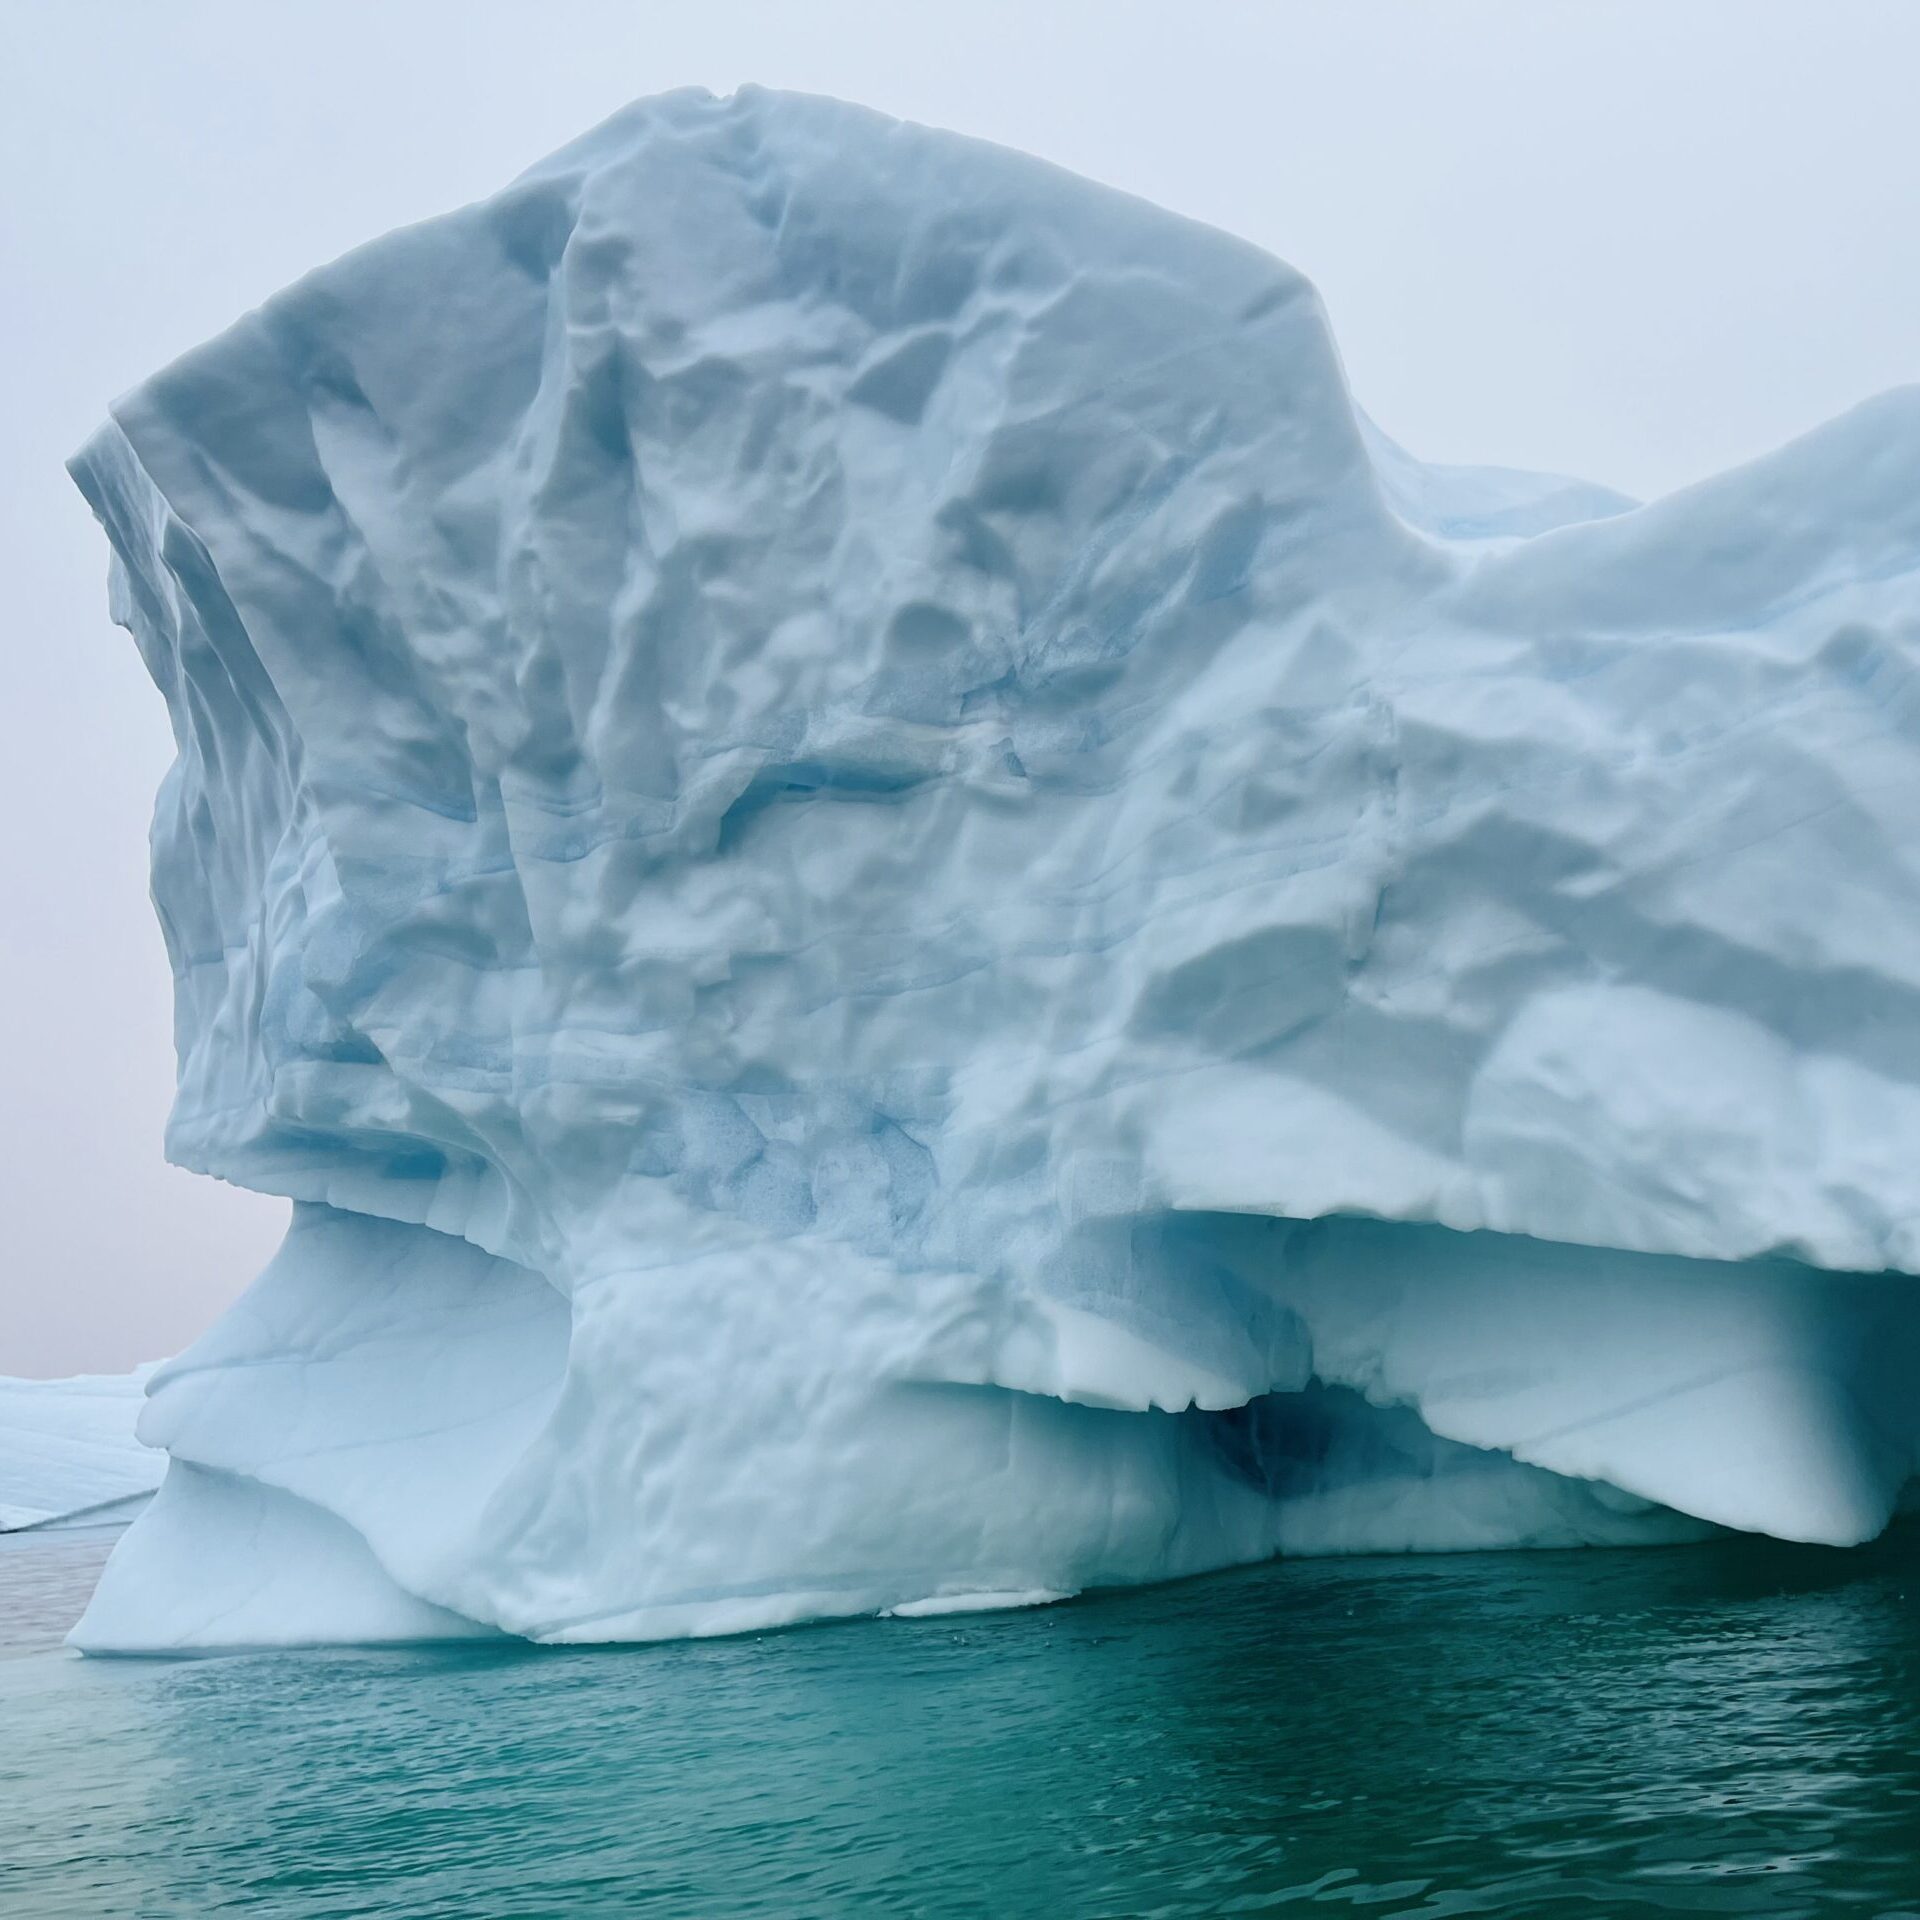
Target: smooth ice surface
point(916, 925)
point(68, 1453)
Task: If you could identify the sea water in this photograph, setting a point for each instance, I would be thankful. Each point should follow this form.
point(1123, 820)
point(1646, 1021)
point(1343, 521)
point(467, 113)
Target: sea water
point(1727, 1729)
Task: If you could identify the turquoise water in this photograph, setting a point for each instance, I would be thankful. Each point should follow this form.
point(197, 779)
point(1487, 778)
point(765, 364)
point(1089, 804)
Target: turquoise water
point(1731, 1729)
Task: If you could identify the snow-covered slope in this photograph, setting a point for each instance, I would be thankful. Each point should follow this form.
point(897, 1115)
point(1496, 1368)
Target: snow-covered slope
point(68, 1455)
point(915, 923)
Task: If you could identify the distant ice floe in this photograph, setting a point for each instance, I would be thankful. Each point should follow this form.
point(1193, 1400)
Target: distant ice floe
point(68, 1456)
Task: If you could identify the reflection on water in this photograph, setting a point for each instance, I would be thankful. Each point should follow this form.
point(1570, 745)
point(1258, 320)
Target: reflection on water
point(1724, 1729)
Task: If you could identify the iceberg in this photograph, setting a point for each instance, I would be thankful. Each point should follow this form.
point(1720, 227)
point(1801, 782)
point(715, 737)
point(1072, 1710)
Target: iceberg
point(918, 929)
point(68, 1456)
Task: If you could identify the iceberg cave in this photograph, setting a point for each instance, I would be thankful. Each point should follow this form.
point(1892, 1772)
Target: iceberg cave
point(917, 929)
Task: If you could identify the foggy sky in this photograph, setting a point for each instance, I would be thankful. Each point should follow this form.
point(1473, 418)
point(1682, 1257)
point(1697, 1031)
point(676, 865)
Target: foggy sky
point(1634, 240)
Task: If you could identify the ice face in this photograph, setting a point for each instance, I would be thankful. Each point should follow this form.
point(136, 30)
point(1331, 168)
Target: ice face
point(915, 924)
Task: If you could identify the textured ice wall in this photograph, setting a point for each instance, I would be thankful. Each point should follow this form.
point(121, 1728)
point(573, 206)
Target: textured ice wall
point(835, 814)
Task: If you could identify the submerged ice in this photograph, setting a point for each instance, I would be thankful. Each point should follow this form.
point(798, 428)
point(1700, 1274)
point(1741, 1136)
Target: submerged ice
point(917, 928)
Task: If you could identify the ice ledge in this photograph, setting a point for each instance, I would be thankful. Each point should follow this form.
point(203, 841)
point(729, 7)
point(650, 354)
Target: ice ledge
point(407, 1437)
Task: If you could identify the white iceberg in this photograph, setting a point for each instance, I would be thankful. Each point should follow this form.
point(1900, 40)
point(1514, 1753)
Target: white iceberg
point(916, 927)
point(68, 1456)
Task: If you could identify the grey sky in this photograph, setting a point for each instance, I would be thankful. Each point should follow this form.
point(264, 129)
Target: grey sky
point(1636, 240)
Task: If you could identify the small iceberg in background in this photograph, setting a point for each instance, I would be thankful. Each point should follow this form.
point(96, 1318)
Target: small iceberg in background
point(68, 1455)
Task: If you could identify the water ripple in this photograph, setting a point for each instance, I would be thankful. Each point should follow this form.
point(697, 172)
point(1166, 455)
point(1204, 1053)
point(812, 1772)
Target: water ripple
point(1722, 1729)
